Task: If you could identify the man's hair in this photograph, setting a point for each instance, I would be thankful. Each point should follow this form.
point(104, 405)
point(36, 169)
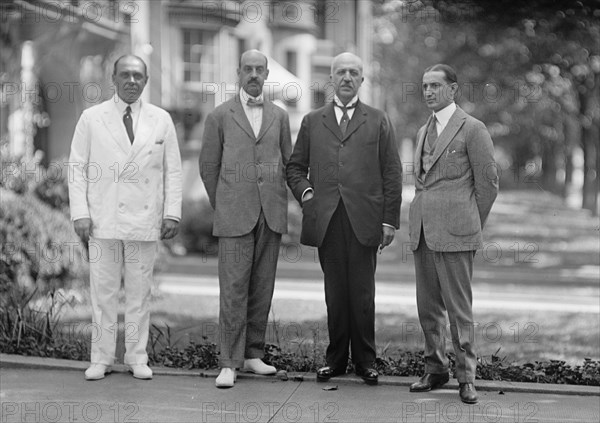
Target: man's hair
point(449, 72)
point(130, 55)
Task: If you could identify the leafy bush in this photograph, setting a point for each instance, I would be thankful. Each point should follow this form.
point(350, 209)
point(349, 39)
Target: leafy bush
point(195, 228)
point(53, 188)
point(29, 325)
point(40, 247)
point(406, 363)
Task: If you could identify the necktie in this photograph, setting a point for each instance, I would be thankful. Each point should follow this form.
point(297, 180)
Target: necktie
point(128, 121)
point(253, 102)
point(432, 132)
point(345, 118)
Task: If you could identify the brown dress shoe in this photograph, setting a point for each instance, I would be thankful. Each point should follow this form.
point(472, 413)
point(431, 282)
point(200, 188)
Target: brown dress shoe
point(430, 381)
point(467, 393)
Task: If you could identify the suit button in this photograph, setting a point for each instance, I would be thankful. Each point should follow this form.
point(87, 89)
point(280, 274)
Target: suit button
point(339, 185)
point(121, 205)
point(341, 145)
point(146, 207)
point(147, 180)
point(260, 180)
point(341, 164)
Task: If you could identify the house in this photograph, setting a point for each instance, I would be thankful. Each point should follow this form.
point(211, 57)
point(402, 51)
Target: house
point(61, 53)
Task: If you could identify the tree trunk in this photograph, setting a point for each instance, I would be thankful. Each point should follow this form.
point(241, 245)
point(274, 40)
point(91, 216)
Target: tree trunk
point(590, 142)
point(572, 130)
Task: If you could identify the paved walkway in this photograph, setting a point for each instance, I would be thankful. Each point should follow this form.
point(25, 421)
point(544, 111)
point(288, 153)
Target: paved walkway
point(47, 390)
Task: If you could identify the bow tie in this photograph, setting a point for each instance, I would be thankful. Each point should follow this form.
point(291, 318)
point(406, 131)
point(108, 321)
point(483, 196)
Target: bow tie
point(252, 102)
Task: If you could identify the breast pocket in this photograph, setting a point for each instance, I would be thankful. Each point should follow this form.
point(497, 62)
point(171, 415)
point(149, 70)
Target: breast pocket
point(156, 153)
point(455, 160)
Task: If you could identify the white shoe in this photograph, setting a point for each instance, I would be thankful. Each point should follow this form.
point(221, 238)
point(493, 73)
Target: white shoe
point(140, 371)
point(97, 371)
point(256, 365)
point(226, 378)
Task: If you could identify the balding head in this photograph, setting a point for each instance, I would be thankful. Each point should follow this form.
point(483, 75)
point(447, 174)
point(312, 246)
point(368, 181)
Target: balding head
point(252, 71)
point(346, 75)
point(346, 57)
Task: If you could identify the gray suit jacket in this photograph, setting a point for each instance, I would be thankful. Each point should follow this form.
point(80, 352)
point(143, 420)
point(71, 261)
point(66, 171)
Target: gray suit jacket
point(243, 173)
point(453, 199)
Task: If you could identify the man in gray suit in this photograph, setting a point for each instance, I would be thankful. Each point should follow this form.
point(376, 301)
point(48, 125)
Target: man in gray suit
point(346, 173)
point(456, 184)
point(246, 146)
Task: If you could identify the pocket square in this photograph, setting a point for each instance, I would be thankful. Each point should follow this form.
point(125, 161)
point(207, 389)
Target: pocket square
point(159, 142)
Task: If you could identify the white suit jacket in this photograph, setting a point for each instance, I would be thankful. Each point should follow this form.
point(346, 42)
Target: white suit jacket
point(125, 189)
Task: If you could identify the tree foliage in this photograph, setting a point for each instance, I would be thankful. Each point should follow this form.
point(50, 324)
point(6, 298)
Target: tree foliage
point(529, 70)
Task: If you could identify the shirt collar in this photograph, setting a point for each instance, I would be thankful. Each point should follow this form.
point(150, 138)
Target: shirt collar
point(444, 115)
point(244, 96)
point(351, 103)
point(121, 105)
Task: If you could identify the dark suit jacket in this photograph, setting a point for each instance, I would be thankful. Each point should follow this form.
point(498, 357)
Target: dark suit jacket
point(452, 201)
point(362, 168)
point(243, 173)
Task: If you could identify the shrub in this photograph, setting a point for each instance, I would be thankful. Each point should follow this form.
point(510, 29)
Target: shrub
point(195, 228)
point(53, 188)
point(41, 249)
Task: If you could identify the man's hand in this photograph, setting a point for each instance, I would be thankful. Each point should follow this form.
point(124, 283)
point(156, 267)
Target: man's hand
point(169, 229)
point(387, 236)
point(308, 195)
point(83, 229)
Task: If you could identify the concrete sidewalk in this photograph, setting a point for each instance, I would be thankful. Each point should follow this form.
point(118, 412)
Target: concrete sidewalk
point(49, 390)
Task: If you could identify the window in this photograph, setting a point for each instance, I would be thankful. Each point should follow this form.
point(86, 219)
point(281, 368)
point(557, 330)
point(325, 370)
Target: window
point(198, 56)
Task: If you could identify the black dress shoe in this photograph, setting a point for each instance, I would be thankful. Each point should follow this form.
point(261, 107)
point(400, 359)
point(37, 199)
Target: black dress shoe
point(467, 393)
point(327, 372)
point(369, 375)
point(429, 381)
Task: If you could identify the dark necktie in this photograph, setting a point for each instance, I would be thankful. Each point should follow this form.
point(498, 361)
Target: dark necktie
point(128, 121)
point(345, 118)
point(252, 102)
point(432, 132)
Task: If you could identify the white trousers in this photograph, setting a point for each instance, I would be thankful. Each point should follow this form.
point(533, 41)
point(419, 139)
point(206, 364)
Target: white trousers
point(108, 258)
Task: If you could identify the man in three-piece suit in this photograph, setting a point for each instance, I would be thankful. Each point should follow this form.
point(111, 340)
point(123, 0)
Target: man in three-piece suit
point(246, 147)
point(456, 184)
point(125, 195)
point(346, 173)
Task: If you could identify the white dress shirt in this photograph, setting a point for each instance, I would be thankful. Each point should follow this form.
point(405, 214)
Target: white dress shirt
point(443, 116)
point(339, 112)
point(135, 110)
point(253, 113)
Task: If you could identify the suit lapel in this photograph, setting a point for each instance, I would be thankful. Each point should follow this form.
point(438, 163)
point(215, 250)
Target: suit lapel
point(358, 118)
point(144, 129)
point(239, 116)
point(330, 121)
point(267, 119)
point(112, 120)
point(456, 121)
point(420, 140)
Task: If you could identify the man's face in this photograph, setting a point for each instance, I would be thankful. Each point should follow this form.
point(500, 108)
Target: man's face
point(130, 79)
point(437, 92)
point(346, 75)
point(253, 72)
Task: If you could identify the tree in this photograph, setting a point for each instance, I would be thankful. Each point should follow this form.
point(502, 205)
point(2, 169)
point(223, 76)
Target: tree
point(532, 70)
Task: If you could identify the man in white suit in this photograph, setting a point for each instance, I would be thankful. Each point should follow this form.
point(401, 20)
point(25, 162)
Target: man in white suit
point(125, 195)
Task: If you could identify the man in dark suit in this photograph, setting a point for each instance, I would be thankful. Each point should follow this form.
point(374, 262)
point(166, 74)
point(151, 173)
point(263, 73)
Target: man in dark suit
point(456, 184)
point(346, 173)
point(246, 147)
